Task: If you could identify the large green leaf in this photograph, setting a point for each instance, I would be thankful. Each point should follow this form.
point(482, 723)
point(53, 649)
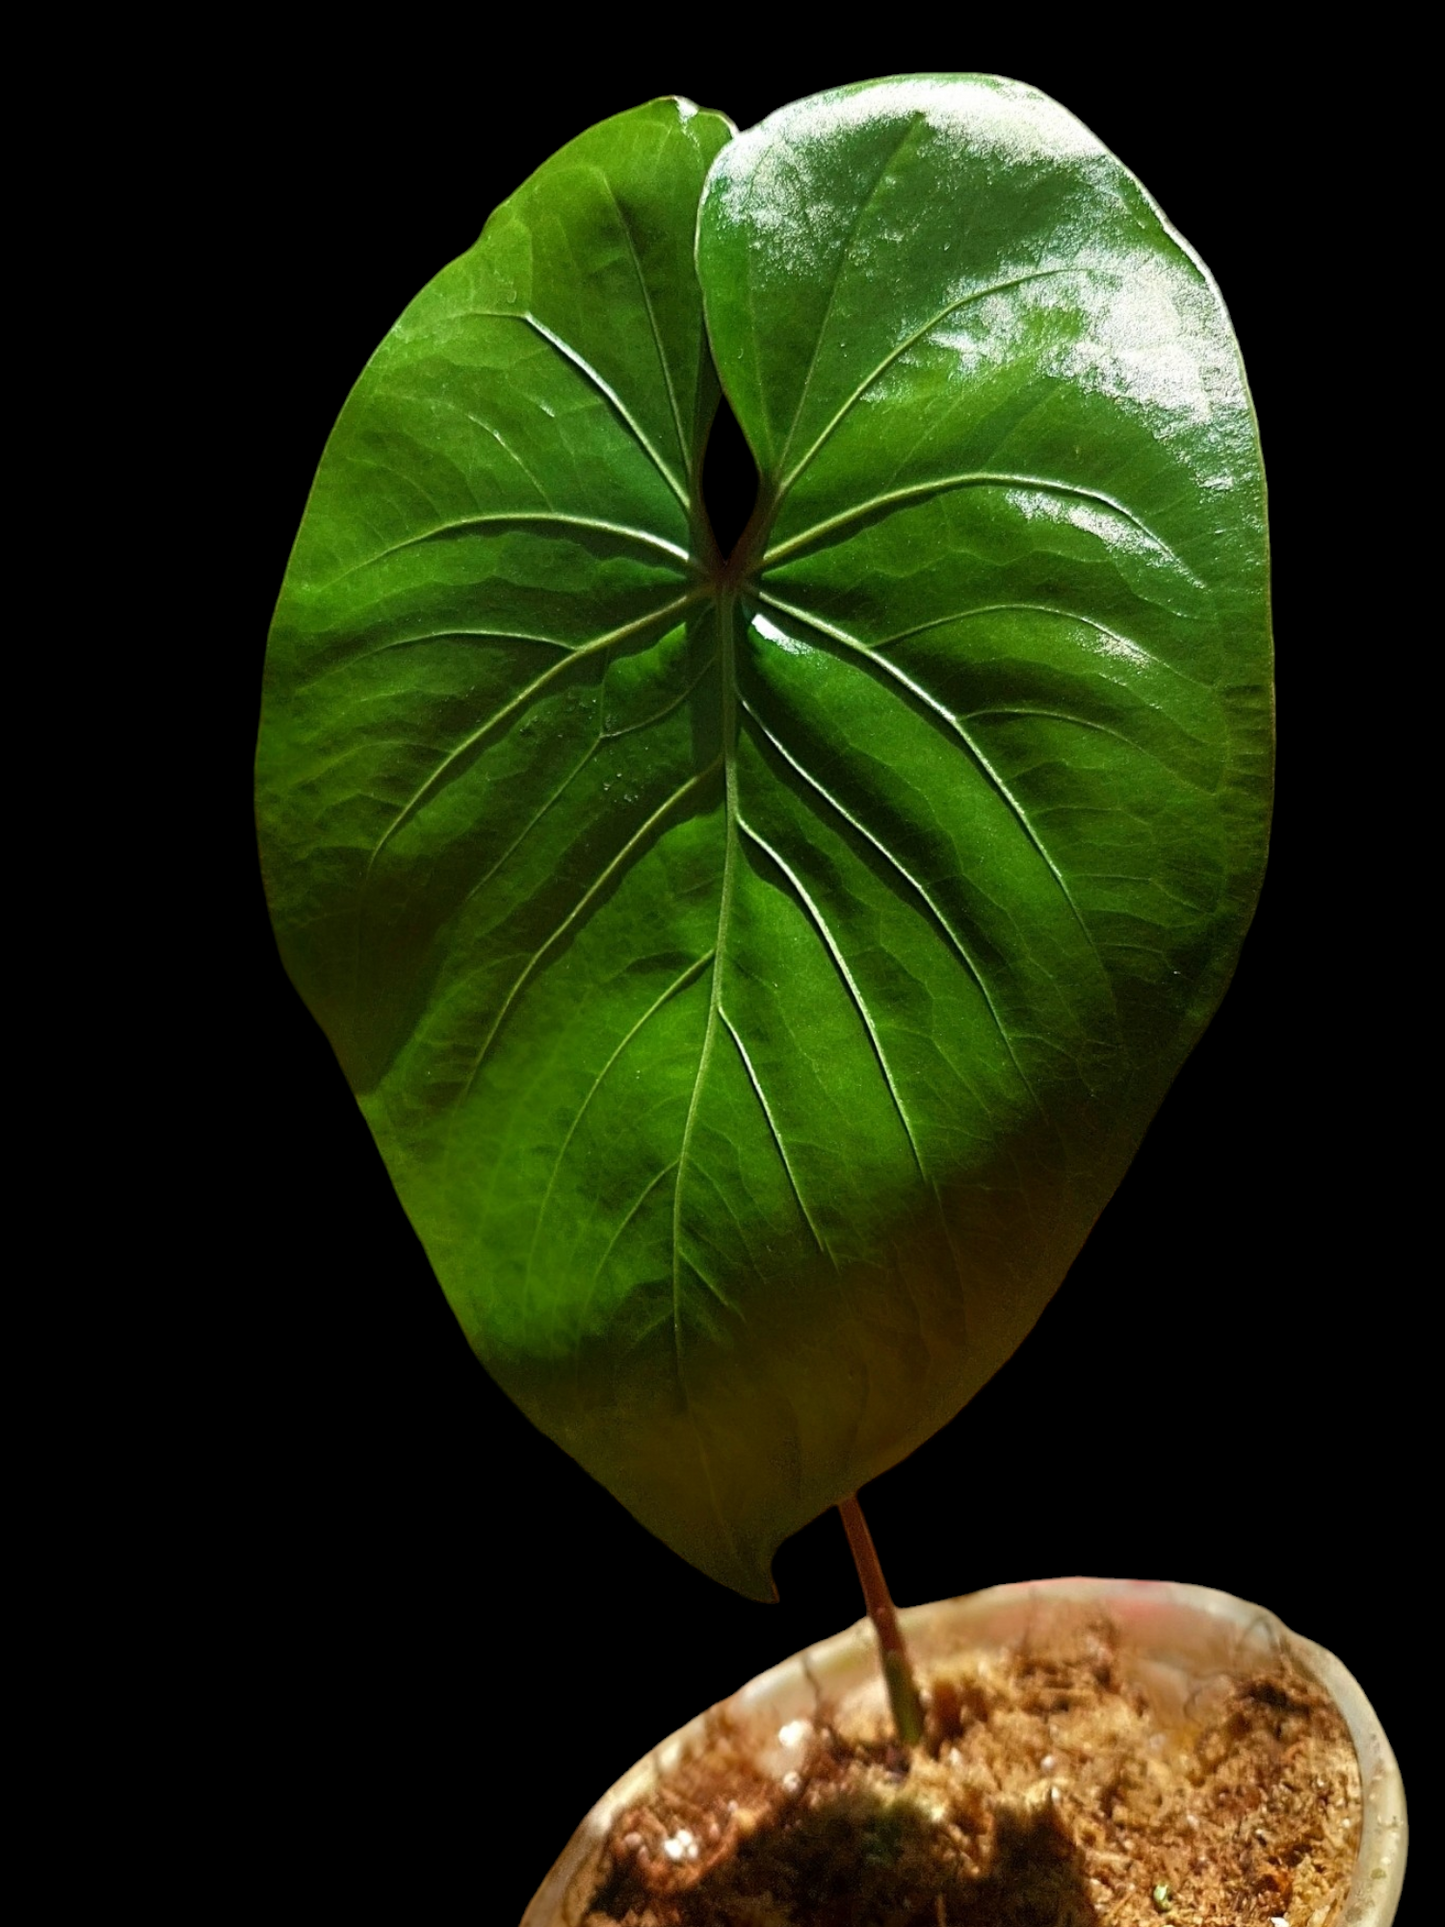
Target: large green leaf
point(758, 976)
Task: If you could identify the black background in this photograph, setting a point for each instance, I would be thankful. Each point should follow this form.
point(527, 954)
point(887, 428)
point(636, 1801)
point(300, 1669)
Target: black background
point(432, 1604)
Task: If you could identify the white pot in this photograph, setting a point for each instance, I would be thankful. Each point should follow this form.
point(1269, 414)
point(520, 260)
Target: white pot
point(1184, 1634)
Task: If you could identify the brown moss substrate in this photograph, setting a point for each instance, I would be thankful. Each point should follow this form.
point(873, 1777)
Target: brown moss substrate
point(1053, 1790)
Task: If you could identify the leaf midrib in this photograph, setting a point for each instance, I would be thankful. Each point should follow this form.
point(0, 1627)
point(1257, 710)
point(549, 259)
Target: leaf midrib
point(727, 665)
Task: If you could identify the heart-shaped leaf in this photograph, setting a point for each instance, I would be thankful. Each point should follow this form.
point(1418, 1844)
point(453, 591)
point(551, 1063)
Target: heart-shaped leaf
point(758, 973)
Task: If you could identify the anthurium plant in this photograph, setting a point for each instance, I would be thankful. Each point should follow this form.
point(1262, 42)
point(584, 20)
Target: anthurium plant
point(759, 968)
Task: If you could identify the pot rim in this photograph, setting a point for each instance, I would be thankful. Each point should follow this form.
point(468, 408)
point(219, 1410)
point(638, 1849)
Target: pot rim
point(1176, 1623)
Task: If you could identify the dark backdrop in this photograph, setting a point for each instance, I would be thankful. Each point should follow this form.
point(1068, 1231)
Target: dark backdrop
point(434, 1603)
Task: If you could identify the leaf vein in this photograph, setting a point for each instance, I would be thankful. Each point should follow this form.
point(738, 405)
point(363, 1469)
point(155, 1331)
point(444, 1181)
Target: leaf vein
point(986, 768)
point(632, 1212)
point(614, 735)
point(600, 883)
point(959, 946)
point(845, 252)
point(514, 518)
point(533, 688)
point(663, 362)
point(678, 984)
point(1127, 644)
point(963, 301)
point(1102, 729)
point(977, 478)
point(840, 964)
point(605, 389)
point(777, 1135)
point(433, 635)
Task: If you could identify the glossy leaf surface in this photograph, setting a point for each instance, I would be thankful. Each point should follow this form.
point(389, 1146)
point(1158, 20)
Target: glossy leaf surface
point(759, 976)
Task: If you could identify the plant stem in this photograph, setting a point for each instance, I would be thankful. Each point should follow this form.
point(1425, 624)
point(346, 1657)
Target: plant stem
point(897, 1669)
